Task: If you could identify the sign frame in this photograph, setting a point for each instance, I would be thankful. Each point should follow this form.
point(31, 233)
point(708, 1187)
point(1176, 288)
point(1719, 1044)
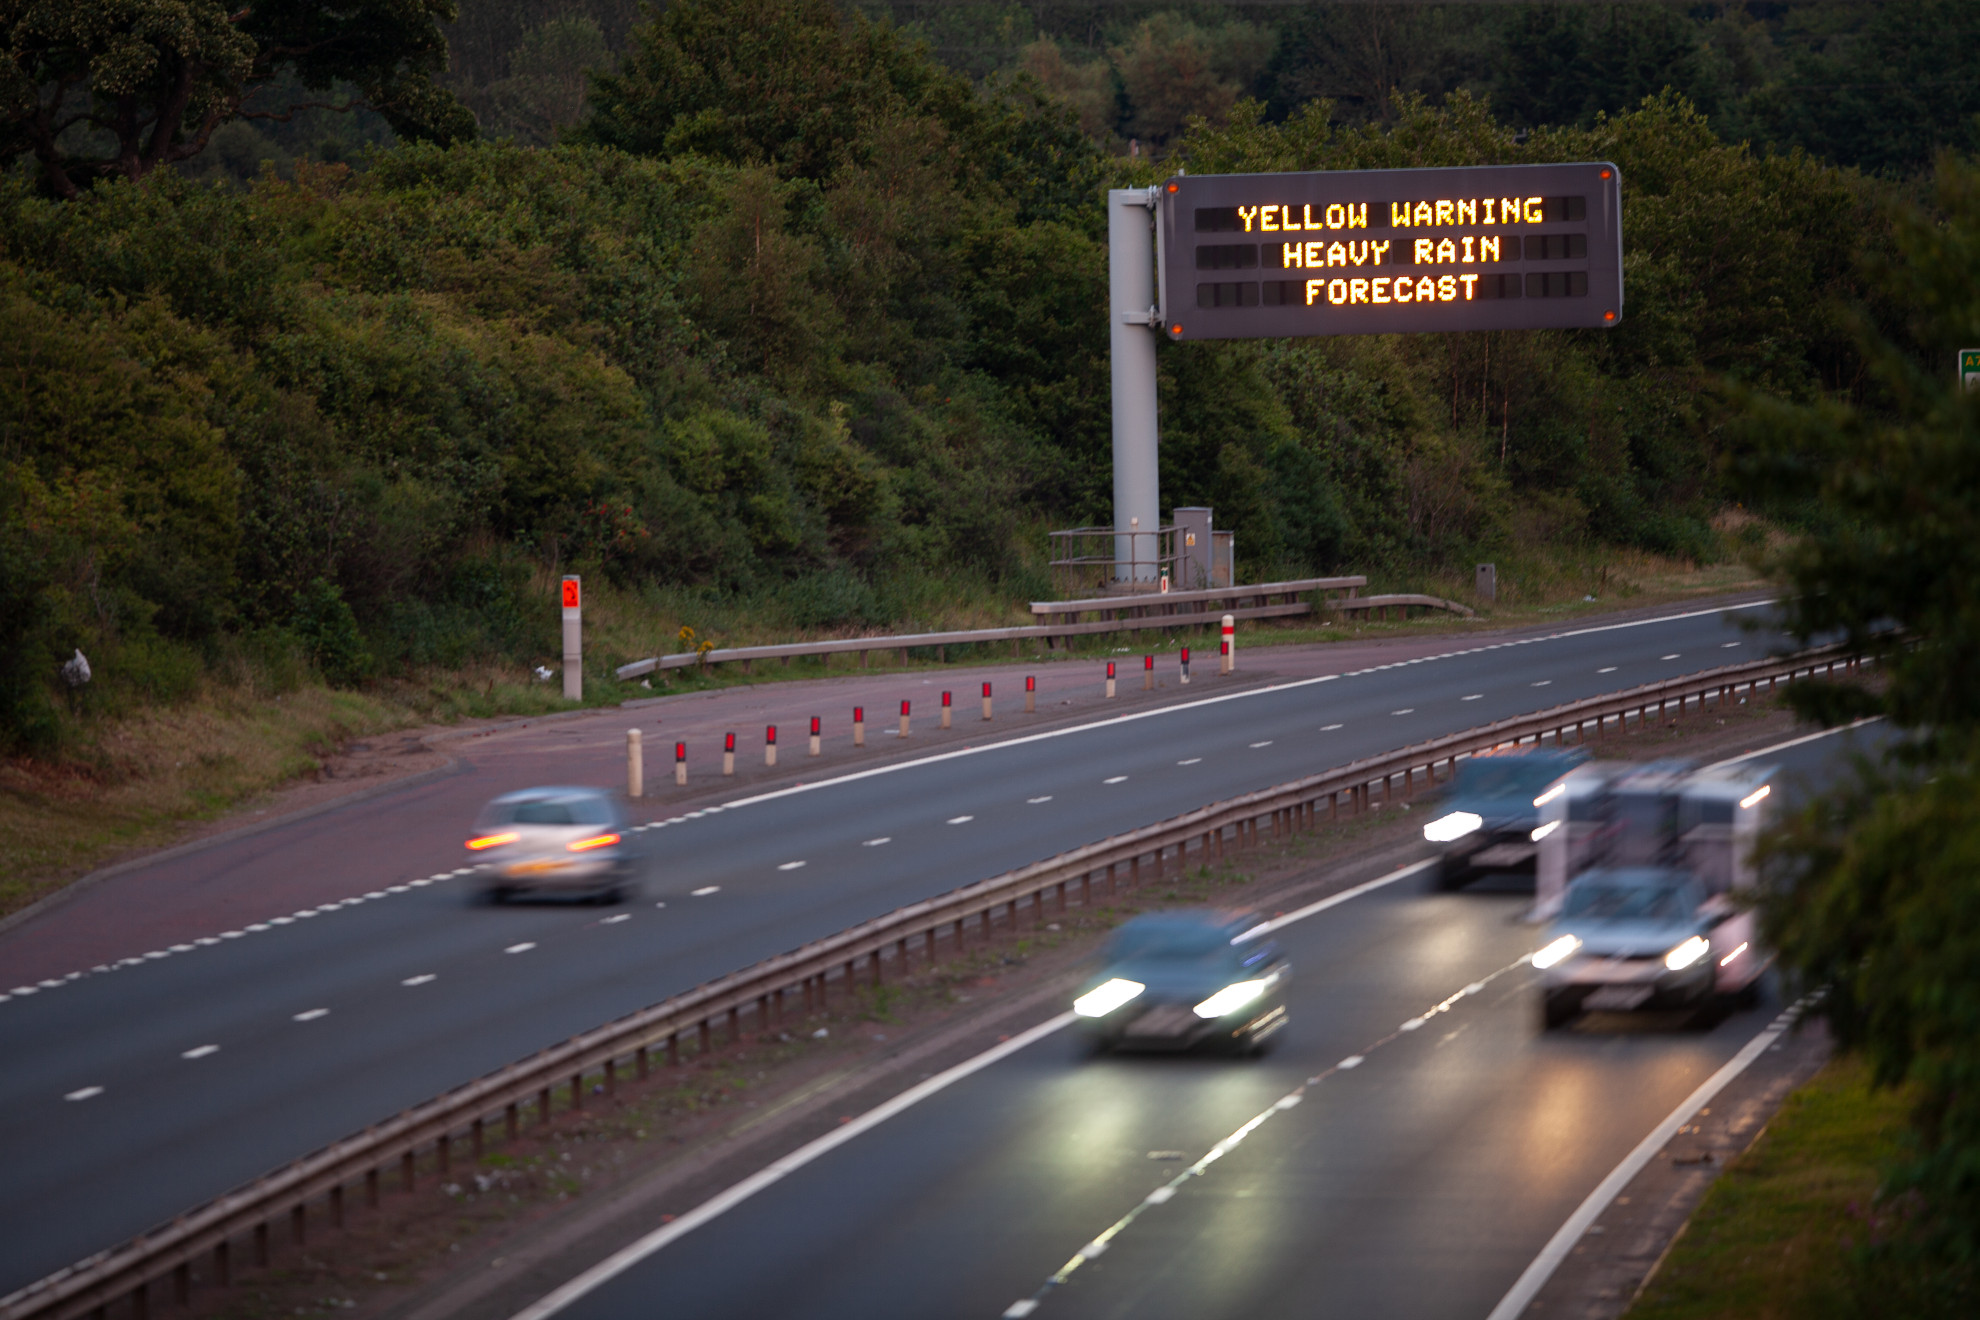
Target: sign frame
point(1556, 263)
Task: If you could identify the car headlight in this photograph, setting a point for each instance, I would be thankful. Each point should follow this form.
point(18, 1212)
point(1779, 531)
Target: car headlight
point(1106, 997)
point(1557, 951)
point(1687, 953)
point(1542, 831)
point(1231, 998)
point(1454, 826)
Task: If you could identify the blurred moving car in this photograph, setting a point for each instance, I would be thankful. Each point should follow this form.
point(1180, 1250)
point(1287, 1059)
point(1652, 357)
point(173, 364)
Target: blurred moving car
point(1491, 818)
point(554, 841)
point(1175, 980)
point(1639, 875)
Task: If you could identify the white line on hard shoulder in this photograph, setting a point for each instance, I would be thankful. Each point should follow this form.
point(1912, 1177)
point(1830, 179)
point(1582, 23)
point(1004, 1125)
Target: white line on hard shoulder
point(713, 1208)
point(200, 1051)
point(1796, 742)
point(1179, 707)
point(311, 1014)
point(789, 866)
point(1535, 1277)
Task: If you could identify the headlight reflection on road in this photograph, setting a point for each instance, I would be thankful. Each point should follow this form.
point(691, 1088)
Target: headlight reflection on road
point(1454, 826)
point(1106, 997)
point(1230, 999)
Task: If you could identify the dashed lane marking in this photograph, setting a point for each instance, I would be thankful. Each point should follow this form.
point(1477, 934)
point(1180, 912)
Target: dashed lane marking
point(616, 918)
point(1473, 697)
point(86, 1093)
point(1032, 802)
point(1606, 669)
point(1328, 728)
point(200, 1051)
point(961, 820)
point(1117, 779)
point(789, 866)
point(1545, 682)
point(311, 1014)
point(524, 947)
point(875, 843)
point(1672, 656)
point(424, 978)
point(704, 891)
point(1406, 710)
point(1255, 746)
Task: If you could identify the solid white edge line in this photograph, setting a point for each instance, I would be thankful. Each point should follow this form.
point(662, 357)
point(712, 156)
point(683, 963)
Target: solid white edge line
point(623, 1260)
point(1529, 1284)
point(1206, 701)
point(1796, 742)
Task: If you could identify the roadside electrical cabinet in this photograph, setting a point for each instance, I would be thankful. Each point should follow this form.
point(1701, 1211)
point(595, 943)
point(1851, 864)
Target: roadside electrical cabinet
point(1637, 870)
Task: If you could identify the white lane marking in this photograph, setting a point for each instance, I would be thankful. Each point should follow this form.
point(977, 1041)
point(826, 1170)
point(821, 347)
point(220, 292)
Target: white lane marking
point(1536, 1275)
point(1255, 746)
point(272, 921)
point(423, 978)
point(1672, 656)
point(200, 1051)
point(1406, 710)
point(311, 1014)
point(1328, 728)
point(704, 891)
point(613, 1266)
point(1117, 779)
point(789, 866)
point(86, 1093)
point(524, 947)
point(961, 820)
point(875, 843)
point(660, 905)
point(1473, 697)
point(1019, 1309)
point(182, 948)
point(616, 918)
point(1606, 669)
point(1796, 742)
point(205, 940)
point(1043, 797)
point(1727, 646)
point(232, 934)
point(1545, 682)
point(1247, 694)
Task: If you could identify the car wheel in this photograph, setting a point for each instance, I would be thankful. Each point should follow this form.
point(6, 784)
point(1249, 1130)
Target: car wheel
point(1452, 872)
point(1559, 1007)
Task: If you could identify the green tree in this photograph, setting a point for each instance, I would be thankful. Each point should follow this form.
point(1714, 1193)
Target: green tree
point(92, 89)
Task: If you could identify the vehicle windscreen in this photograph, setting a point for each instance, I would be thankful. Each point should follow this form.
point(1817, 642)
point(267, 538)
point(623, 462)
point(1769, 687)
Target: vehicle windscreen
point(1504, 777)
point(559, 811)
point(1170, 945)
point(1598, 902)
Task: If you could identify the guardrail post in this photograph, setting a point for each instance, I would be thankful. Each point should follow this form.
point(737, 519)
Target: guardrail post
point(611, 1077)
point(223, 1265)
point(673, 1049)
point(182, 1283)
point(444, 1149)
point(261, 1244)
point(1030, 695)
point(577, 1090)
point(512, 1119)
point(298, 1225)
point(986, 701)
point(141, 1301)
point(371, 1187)
point(859, 723)
point(406, 1170)
point(635, 765)
point(476, 1141)
point(728, 754)
point(945, 710)
point(543, 1106)
point(815, 748)
point(735, 1024)
point(1110, 680)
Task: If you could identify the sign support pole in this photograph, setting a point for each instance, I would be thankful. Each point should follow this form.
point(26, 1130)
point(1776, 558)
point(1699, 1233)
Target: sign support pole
point(1135, 321)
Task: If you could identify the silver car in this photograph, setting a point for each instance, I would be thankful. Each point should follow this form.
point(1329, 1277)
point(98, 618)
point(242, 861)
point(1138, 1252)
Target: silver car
point(554, 841)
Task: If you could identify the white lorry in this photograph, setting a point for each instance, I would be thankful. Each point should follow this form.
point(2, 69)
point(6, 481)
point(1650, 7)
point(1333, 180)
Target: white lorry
point(1636, 875)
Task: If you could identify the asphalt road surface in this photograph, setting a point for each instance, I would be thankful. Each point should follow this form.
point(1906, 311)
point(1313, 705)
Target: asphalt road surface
point(1438, 1140)
point(131, 1094)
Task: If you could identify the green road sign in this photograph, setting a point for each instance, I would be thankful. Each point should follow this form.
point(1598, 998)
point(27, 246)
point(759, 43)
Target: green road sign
point(1358, 252)
point(1969, 368)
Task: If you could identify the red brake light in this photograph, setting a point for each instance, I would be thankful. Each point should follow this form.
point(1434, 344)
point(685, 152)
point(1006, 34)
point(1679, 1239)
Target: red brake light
point(596, 841)
point(492, 840)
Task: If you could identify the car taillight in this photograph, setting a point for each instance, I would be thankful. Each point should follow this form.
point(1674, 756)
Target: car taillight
point(596, 841)
point(492, 840)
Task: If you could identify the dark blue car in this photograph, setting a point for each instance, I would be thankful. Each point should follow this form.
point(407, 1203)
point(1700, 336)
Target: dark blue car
point(1490, 817)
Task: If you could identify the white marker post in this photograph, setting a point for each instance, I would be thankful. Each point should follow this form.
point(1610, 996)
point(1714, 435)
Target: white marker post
point(1229, 659)
point(635, 765)
point(573, 639)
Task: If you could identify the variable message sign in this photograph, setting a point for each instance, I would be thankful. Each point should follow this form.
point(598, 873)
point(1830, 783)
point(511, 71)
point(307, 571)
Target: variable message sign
point(1362, 252)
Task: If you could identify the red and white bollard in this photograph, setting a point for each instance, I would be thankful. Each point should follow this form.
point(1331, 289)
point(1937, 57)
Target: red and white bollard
point(945, 710)
point(1030, 695)
point(859, 726)
point(635, 765)
point(815, 749)
point(728, 753)
point(1229, 661)
point(986, 701)
point(680, 764)
point(1185, 666)
point(904, 719)
point(1148, 673)
point(1110, 678)
point(770, 745)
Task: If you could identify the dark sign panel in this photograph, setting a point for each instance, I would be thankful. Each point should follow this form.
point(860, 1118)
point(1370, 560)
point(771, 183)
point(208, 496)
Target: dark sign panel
point(1369, 252)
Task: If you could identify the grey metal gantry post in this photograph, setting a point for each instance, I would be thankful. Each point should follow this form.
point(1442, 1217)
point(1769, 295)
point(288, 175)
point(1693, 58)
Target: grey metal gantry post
point(1134, 322)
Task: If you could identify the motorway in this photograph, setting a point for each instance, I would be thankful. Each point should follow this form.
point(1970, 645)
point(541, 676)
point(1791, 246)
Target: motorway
point(133, 1093)
point(1421, 1140)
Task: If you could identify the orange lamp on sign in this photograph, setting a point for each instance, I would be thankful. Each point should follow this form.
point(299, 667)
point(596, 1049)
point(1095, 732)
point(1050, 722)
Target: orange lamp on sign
point(570, 593)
